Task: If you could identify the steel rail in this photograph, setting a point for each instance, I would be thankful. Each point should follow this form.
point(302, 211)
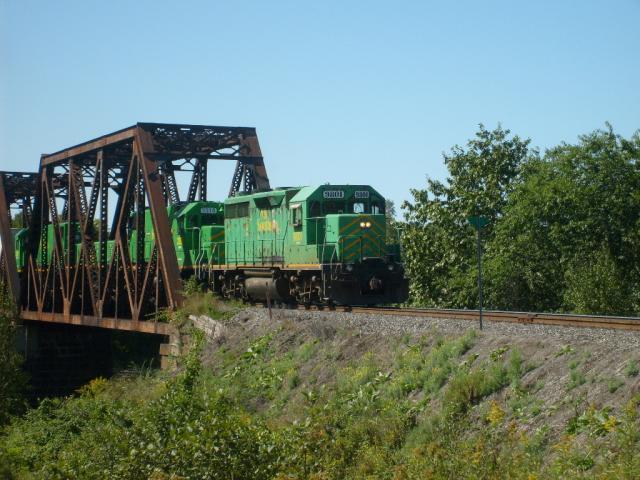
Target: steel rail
point(526, 318)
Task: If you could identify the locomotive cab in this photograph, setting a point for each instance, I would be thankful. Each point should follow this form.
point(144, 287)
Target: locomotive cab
point(348, 225)
point(316, 244)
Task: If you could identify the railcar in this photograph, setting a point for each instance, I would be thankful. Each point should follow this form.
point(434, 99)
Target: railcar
point(316, 244)
point(197, 228)
point(325, 244)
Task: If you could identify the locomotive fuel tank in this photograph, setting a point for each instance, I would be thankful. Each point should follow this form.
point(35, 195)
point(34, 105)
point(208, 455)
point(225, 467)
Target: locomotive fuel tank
point(261, 289)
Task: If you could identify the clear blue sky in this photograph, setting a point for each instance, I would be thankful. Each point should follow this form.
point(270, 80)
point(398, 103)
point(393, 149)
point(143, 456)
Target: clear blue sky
point(342, 92)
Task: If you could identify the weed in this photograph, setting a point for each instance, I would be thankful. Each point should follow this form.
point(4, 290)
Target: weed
point(496, 414)
point(593, 421)
point(613, 384)
point(536, 408)
point(576, 377)
point(307, 350)
point(294, 381)
point(632, 369)
point(498, 353)
point(565, 350)
point(191, 286)
point(94, 387)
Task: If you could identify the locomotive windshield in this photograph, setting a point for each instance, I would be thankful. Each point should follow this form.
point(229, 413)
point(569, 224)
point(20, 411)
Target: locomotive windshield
point(333, 206)
point(354, 205)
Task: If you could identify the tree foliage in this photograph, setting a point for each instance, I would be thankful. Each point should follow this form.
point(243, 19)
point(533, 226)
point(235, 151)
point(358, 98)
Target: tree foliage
point(439, 244)
point(12, 378)
point(570, 237)
point(564, 231)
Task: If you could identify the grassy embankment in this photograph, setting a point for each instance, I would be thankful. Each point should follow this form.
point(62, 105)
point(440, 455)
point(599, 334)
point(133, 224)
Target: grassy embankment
point(320, 404)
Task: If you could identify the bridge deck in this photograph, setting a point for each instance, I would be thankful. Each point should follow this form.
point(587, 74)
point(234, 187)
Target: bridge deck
point(159, 328)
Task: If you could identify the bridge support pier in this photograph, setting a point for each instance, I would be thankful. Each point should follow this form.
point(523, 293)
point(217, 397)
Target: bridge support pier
point(170, 351)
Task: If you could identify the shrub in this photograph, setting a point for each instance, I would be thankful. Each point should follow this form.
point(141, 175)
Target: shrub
point(597, 286)
point(12, 378)
point(632, 369)
point(614, 384)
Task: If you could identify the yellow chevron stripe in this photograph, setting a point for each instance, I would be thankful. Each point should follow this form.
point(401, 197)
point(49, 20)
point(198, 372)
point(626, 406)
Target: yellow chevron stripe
point(378, 228)
point(374, 241)
point(352, 244)
point(371, 246)
point(351, 253)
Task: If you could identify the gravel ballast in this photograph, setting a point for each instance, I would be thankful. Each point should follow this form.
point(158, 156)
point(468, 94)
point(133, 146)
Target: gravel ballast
point(397, 325)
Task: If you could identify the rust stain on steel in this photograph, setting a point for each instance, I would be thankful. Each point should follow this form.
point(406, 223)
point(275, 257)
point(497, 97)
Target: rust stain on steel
point(161, 227)
point(8, 249)
point(108, 323)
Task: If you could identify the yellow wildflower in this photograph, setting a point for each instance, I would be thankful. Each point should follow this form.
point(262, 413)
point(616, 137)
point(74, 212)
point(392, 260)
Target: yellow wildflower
point(496, 414)
point(610, 424)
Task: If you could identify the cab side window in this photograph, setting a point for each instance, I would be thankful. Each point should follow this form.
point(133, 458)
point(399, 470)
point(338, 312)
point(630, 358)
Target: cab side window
point(315, 209)
point(296, 217)
point(333, 206)
point(377, 207)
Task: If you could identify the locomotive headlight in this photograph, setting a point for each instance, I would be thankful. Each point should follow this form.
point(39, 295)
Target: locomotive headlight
point(368, 224)
point(363, 225)
point(391, 267)
point(349, 267)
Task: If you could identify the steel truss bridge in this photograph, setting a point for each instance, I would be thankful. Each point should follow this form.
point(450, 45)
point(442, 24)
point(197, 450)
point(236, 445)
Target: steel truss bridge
point(89, 193)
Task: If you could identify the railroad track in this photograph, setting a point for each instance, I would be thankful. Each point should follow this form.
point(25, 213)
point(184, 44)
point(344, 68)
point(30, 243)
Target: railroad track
point(527, 318)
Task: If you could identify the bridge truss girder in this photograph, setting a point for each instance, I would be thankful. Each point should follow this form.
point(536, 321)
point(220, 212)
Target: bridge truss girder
point(74, 192)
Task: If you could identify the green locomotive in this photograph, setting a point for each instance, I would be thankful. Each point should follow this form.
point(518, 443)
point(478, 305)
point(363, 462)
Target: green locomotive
point(322, 244)
point(318, 244)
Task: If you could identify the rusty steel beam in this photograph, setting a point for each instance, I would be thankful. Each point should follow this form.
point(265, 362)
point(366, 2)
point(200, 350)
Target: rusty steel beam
point(90, 146)
point(109, 323)
point(72, 202)
point(8, 248)
point(17, 190)
point(166, 250)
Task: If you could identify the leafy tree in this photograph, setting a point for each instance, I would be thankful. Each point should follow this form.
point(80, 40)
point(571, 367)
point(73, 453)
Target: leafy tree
point(439, 245)
point(17, 221)
point(597, 286)
point(12, 378)
point(391, 224)
point(570, 231)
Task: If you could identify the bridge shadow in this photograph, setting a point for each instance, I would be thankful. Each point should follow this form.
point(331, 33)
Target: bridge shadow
point(60, 358)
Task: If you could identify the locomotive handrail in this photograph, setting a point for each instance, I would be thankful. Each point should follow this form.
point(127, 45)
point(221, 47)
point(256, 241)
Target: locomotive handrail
point(251, 245)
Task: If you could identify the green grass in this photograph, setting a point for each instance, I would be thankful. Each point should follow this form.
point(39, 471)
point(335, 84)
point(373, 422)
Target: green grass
point(613, 384)
point(278, 407)
point(632, 370)
point(576, 376)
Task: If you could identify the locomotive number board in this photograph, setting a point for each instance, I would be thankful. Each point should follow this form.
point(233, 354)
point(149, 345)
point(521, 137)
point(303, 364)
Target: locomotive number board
point(334, 194)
